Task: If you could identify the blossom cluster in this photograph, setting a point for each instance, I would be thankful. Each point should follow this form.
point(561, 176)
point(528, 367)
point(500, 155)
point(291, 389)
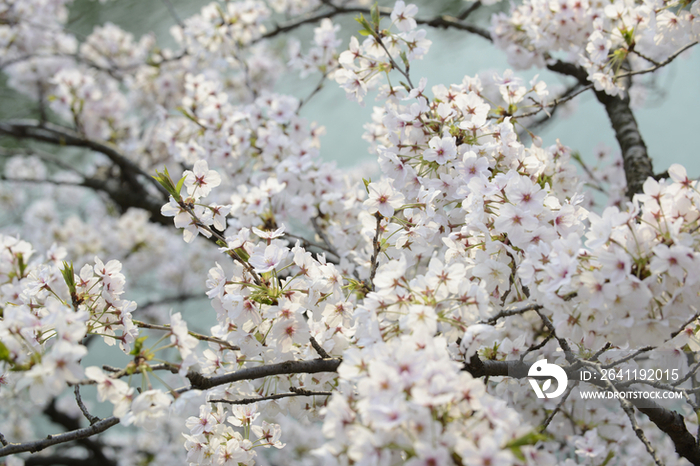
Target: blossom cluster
point(476, 241)
point(606, 39)
point(45, 320)
point(213, 440)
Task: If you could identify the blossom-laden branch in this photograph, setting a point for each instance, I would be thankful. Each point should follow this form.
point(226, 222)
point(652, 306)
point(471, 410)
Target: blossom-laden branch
point(198, 381)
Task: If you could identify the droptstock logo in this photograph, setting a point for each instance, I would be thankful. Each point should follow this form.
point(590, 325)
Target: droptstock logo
point(543, 369)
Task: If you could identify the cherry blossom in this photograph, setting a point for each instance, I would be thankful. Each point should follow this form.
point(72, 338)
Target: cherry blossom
point(354, 320)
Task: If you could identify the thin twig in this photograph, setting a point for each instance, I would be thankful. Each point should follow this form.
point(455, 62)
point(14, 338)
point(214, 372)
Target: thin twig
point(600, 352)
point(687, 322)
point(512, 312)
point(277, 396)
point(91, 419)
point(198, 336)
point(540, 345)
point(172, 299)
point(38, 445)
point(319, 231)
point(556, 102)
point(442, 21)
point(554, 412)
point(308, 243)
point(472, 8)
point(629, 410)
point(628, 357)
point(562, 341)
point(316, 90)
point(668, 60)
point(376, 247)
point(319, 349)
point(173, 13)
point(688, 375)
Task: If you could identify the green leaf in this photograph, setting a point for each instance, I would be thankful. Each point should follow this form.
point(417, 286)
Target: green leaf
point(528, 439)
point(367, 182)
point(375, 15)
point(404, 59)
point(5, 353)
point(167, 183)
point(178, 186)
point(138, 346)
point(367, 29)
point(69, 276)
point(21, 264)
point(242, 254)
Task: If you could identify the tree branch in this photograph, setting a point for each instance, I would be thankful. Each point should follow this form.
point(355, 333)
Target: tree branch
point(277, 396)
point(442, 21)
point(50, 440)
point(129, 193)
point(635, 159)
point(196, 335)
point(198, 381)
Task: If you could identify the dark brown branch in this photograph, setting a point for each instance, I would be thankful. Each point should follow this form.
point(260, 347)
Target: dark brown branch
point(54, 460)
point(446, 21)
point(54, 134)
point(471, 9)
point(512, 312)
point(636, 161)
point(127, 191)
point(198, 381)
point(93, 446)
point(78, 399)
point(319, 349)
point(78, 434)
point(442, 21)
